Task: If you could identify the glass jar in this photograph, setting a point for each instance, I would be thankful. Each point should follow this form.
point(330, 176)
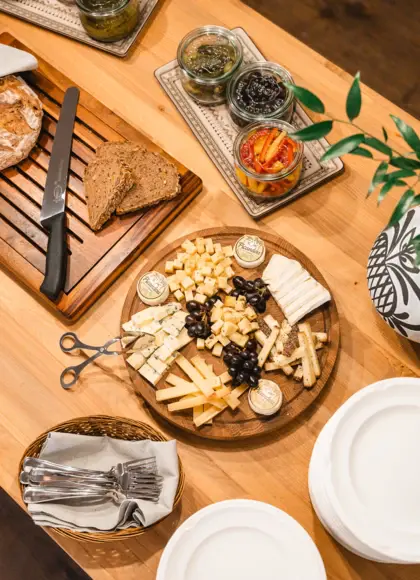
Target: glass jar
point(257, 92)
point(208, 58)
point(268, 162)
point(108, 20)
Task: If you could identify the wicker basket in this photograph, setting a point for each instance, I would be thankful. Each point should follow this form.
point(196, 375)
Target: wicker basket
point(119, 428)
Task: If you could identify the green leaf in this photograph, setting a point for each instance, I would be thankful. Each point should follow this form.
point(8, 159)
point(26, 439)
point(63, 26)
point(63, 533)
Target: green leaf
point(405, 163)
point(362, 152)
point(378, 177)
point(307, 98)
point(343, 146)
point(408, 133)
point(354, 99)
point(388, 185)
point(402, 207)
point(399, 173)
point(384, 133)
point(378, 145)
point(312, 132)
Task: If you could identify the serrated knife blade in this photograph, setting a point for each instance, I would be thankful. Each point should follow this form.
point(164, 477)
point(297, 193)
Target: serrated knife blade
point(53, 216)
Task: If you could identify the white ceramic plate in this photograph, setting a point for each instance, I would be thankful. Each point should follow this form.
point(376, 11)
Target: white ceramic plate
point(372, 476)
point(241, 540)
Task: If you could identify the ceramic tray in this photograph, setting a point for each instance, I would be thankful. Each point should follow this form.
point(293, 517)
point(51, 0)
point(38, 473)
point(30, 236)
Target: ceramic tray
point(62, 16)
point(216, 132)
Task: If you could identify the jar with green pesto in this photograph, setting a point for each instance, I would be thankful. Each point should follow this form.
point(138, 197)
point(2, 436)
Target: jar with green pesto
point(108, 20)
point(208, 57)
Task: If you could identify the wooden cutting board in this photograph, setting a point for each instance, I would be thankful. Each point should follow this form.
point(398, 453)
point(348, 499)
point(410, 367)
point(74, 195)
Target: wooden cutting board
point(96, 259)
point(243, 422)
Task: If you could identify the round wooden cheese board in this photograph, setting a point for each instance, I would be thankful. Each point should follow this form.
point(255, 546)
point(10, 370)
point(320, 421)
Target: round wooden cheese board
point(242, 422)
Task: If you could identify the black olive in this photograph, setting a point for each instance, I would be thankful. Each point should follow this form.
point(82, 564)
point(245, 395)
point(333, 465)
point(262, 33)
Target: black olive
point(253, 357)
point(236, 361)
point(245, 355)
point(260, 307)
point(200, 326)
point(231, 347)
point(241, 376)
point(235, 293)
point(248, 365)
point(236, 382)
point(257, 370)
point(251, 344)
point(238, 282)
point(227, 358)
point(233, 371)
point(254, 300)
point(189, 320)
point(249, 286)
point(253, 381)
point(192, 331)
point(193, 305)
point(197, 315)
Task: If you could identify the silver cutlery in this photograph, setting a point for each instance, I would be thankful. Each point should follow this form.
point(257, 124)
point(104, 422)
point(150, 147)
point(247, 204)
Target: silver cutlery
point(41, 495)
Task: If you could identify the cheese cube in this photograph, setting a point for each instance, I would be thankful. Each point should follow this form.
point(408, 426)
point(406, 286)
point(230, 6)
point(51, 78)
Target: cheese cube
point(186, 244)
point(207, 271)
point(150, 374)
point(200, 298)
point(160, 338)
point(189, 295)
point(217, 349)
point(228, 315)
point(209, 280)
point(255, 326)
point(174, 286)
point(228, 251)
point(216, 314)
point(191, 250)
point(208, 290)
point(200, 245)
point(218, 248)
point(211, 341)
point(179, 275)
point(169, 267)
point(240, 304)
point(245, 326)
point(217, 326)
point(222, 282)
point(219, 269)
point(217, 258)
point(223, 339)
point(157, 364)
point(226, 263)
point(179, 295)
point(229, 328)
point(178, 265)
point(230, 301)
point(205, 257)
point(218, 304)
point(228, 288)
point(188, 271)
point(187, 282)
point(209, 246)
point(198, 277)
point(200, 288)
point(229, 272)
point(250, 313)
point(239, 339)
point(201, 343)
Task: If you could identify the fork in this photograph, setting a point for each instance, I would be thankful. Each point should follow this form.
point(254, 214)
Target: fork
point(41, 495)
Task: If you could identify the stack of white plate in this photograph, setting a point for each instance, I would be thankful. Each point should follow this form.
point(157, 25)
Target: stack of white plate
point(241, 540)
point(364, 475)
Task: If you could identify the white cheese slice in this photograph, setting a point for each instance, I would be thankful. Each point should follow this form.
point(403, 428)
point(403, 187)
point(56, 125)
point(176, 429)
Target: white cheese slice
point(148, 351)
point(286, 287)
point(150, 374)
point(174, 324)
point(309, 306)
point(299, 291)
point(304, 298)
point(136, 360)
point(183, 338)
point(157, 364)
point(143, 317)
point(152, 328)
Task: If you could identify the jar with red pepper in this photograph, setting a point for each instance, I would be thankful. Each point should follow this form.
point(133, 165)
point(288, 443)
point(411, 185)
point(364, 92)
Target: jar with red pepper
point(268, 161)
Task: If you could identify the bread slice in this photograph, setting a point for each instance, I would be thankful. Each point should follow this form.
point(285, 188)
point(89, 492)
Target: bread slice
point(107, 181)
point(156, 179)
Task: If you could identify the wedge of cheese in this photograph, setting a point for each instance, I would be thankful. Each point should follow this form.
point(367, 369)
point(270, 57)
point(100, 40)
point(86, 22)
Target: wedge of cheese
point(293, 288)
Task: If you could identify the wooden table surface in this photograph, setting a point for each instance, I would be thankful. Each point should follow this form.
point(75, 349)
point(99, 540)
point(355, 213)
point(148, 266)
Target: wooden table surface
point(334, 226)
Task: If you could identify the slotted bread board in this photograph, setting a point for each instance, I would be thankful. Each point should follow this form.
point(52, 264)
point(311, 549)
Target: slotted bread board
point(96, 258)
point(243, 422)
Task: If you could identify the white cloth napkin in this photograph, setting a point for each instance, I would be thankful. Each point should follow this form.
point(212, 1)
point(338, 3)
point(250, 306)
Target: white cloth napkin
point(102, 453)
point(13, 60)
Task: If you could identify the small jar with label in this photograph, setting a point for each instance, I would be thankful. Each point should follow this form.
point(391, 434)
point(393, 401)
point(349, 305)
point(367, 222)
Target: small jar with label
point(249, 251)
point(153, 288)
point(266, 399)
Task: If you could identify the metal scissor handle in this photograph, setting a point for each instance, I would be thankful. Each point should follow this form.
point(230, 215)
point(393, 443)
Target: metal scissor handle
point(70, 375)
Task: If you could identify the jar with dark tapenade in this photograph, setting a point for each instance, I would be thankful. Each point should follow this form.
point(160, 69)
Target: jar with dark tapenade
point(208, 58)
point(108, 20)
point(258, 92)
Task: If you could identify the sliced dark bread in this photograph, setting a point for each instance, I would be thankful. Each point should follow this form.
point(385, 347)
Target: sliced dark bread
point(107, 180)
point(156, 179)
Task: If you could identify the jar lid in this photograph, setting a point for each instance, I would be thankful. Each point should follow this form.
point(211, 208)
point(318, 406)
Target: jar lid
point(266, 399)
point(101, 7)
point(258, 91)
point(249, 249)
point(152, 286)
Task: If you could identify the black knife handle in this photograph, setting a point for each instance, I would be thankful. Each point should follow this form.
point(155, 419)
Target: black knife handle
point(56, 266)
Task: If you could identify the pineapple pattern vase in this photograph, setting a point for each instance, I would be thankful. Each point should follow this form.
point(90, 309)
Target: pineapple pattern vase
point(394, 278)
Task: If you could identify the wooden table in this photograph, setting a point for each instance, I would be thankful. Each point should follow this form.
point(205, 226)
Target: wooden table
point(334, 226)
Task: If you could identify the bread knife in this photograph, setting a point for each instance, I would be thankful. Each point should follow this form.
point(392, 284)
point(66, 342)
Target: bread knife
point(53, 211)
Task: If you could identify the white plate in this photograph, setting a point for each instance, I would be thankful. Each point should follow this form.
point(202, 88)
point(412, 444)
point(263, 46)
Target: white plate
point(373, 472)
point(241, 540)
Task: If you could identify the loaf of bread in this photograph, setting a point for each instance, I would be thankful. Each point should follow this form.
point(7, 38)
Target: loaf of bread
point(20, 120)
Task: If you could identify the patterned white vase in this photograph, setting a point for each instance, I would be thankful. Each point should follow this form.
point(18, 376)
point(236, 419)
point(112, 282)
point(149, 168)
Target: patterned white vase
point(394, 278)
